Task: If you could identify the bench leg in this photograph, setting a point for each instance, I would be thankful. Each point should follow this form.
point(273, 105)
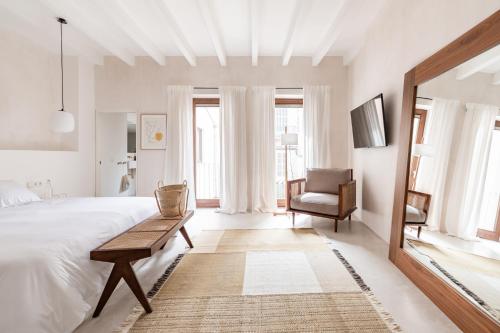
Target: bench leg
point(293, 220)
point(335, 225)
point(133, 283)
point(122, 269)
point(113, 280)
point(186, 236)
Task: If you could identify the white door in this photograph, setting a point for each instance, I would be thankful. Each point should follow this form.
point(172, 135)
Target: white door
point(111, 153)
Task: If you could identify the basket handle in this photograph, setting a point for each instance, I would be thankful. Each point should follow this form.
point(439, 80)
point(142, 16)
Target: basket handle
point(157, 202)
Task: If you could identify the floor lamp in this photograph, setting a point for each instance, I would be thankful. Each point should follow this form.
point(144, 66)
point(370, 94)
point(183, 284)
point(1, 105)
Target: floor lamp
point(288, 139)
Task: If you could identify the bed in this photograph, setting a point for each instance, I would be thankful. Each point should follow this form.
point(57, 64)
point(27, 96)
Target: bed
point(47, 281)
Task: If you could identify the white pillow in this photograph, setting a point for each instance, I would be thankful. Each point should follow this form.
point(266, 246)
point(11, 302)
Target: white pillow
point(13, 194)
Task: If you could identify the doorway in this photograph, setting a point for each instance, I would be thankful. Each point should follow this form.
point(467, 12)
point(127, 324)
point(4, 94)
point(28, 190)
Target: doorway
point(116, 154)
point(206, 138)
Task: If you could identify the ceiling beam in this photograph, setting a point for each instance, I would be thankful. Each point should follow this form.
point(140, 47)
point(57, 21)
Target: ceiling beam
point(206, 13)
point(254, 31)
point(333, 32)
point(124, 19)
point(478, 63)
point(176, 33)
point(496, 78)
point(88, 22)
point(300, 11)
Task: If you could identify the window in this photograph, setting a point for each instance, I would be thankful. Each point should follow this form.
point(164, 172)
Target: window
point(418, 138)
point(207, 151)
point(289, 117)
point(199, 145)
point(489, 227)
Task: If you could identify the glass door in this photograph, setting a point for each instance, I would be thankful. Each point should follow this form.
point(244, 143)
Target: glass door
point(206, 133)
point(289, 117)
point(489, 227)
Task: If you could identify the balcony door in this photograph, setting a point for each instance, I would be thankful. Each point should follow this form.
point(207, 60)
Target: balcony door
point(206, 135)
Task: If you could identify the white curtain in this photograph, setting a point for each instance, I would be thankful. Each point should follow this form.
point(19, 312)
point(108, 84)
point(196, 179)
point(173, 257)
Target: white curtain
point(318, 124)
point(467, 184)
point(233, 150)
point(263, 169)
point(179, 153)
point(433, 170)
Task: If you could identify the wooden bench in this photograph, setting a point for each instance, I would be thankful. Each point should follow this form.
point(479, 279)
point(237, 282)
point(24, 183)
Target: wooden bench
point(141, 241)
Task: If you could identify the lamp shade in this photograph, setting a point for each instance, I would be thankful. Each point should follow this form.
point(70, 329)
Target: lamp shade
point(423, 150)
point(289, 139)
point(62, 122)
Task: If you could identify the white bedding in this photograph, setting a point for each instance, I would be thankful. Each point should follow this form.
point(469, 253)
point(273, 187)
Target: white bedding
point(47, 281)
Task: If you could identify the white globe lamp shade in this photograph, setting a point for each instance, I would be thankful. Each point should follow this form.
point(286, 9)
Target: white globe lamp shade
point(62, 122)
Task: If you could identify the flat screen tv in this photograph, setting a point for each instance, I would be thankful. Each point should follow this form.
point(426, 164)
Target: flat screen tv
point(368, 124)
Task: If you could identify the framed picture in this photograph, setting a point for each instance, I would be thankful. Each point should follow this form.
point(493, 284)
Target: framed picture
point(153, 131)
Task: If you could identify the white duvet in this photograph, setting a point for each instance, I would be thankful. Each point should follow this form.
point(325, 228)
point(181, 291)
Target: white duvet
point(47, 281)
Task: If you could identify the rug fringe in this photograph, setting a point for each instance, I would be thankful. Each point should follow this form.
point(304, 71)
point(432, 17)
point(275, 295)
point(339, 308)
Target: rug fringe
point(386, 316)
point(138, 310)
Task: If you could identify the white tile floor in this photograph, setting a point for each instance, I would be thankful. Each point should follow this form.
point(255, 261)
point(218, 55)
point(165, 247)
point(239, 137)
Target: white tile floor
point(359, 245)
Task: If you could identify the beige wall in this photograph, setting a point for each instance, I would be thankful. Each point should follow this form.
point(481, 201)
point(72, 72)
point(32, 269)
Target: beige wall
point(405, 33)
point(121, 88)
point(29, 91)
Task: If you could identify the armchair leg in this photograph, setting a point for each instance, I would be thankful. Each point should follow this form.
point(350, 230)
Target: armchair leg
point(418, 231)
point(293, 220)
point(335, 226)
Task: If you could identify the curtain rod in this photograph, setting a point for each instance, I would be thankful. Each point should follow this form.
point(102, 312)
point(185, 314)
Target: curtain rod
point(430, 99)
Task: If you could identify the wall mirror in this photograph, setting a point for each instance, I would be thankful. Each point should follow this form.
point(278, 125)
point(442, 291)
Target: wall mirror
point(446, 221)
point(116, 154)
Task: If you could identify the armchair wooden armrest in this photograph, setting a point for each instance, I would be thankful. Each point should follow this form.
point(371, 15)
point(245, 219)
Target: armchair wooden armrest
point(419, 200)
point(347, 198)
point(294, 187)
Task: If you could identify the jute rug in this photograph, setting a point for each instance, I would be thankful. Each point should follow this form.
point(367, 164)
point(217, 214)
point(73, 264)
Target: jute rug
point(477, 276)
point(294, 284)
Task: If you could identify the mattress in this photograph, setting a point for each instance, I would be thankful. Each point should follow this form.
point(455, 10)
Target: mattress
point(47, 281)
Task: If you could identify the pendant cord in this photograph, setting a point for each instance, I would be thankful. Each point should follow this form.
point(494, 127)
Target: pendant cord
point(62, 71)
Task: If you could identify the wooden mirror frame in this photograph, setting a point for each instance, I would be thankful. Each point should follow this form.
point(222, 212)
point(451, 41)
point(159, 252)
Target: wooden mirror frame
point(460, 310)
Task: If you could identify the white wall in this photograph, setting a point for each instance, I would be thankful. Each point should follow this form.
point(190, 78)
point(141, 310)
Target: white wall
point(404, 34)
point(29, 91)
point(122, 88)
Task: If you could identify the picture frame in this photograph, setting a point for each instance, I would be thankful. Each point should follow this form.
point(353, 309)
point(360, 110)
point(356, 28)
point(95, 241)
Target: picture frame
point(153, 131)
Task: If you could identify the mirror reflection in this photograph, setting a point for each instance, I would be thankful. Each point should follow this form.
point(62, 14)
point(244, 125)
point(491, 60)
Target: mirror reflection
point(452, 221)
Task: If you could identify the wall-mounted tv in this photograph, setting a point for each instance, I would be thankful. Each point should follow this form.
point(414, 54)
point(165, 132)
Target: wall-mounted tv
point(368, 124)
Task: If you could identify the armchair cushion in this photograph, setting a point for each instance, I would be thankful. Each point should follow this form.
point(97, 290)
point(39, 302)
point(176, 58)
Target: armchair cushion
point(323, 203)
point(415, 215)
point(326, 180)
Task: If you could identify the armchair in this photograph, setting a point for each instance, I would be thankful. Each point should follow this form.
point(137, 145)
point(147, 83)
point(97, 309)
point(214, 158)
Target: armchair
point(417, 209)
point(329, 193)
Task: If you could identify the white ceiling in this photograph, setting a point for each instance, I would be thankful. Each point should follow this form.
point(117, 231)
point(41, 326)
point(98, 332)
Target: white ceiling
point(192, 28)
point(487, 62)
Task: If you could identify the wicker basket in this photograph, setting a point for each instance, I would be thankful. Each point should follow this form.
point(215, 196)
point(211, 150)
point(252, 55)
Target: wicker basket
point(172, 200)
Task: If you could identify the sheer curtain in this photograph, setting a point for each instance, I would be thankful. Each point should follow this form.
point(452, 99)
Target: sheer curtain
point(467, 184)
point(263, 187)
point(179, 152)
point(318, 121)
point(233, 150)
point(433, 170)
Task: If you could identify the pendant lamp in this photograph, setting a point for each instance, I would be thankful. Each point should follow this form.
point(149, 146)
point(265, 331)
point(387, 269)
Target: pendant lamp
point(62, 121)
